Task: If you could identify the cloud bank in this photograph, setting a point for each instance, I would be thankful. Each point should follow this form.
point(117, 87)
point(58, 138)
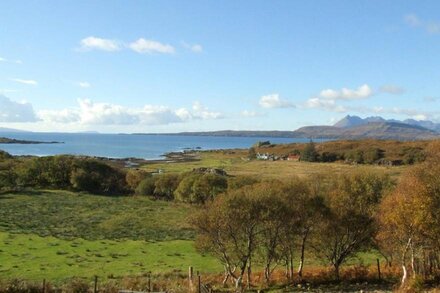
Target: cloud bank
point(274, 101)
point(11, 111)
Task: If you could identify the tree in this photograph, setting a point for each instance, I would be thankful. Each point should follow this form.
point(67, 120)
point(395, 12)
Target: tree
point(349, 226)
point(184, 191)
point(96, 177)
point(309, 153)
point(228, 229)
point(207, 186)
point(252, 154)
point(166, 184)
point(410, 222)
point(8, 175)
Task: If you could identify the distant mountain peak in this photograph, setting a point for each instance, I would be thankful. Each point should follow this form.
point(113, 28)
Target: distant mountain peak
point(353, 121)
point(349, 121)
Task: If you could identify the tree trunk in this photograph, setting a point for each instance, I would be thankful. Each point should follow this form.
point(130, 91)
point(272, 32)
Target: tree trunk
point(404, 270)
point(249, 272)
point(226, 278)
point(404, 276)
point(413, 265)
point(238, 283)
point(301, 261)
point(291, 265)
point(336, 266)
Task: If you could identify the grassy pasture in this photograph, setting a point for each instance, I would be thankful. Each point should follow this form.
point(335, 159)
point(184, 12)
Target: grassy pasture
point(57, 235)
point(69, 215)
point(235, 163)
point(33, 257)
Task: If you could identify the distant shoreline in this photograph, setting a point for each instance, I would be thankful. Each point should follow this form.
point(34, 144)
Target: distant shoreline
point(5, 140)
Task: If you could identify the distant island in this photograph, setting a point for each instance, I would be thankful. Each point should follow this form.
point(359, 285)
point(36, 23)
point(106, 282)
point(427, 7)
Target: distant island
point(5, 140)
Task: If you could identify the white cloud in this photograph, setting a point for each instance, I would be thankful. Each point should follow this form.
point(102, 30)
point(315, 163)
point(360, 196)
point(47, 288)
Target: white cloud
point(94, 43)
point(149, 46)
point(25, 81)
point(392, 89)
point(59, 116)
point(200, 111)
point(11, 111)
point(432, 27)
point(84, 84)
point(250, 114)
point(326, 104)
point(196, 48)
point(362, 92)
point(274, 101)
point(10, 61)
point(90, 113)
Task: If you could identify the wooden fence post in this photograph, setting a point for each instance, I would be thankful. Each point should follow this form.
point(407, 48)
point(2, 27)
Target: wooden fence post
point(149, 282)
point(378, 269)
point(95, 289)
point(199, 282)
point(44, 285)
point(191, 279)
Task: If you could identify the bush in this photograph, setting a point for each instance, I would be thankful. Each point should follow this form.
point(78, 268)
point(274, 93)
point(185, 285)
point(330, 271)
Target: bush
point(165, 185)
point(146, 186)
point(4, 155)
point(134, 177)
point(96, 177)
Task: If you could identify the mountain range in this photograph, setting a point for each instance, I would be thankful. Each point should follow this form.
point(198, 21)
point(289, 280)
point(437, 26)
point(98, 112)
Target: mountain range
point(349, 127)
point(351, 121)
point(355, 127)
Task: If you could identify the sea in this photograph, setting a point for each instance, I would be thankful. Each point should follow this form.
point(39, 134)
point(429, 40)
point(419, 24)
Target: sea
point(145, 146)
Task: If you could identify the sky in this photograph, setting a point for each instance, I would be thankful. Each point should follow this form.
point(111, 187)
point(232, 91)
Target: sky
point(171, 66)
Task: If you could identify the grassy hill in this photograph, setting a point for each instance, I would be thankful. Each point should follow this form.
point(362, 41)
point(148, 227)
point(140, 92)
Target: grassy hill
point(59, 235)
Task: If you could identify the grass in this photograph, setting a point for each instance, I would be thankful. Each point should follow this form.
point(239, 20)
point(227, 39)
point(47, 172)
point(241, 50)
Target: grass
point(69, 215)
point(58, 234)
point(235, 163)
point(33, 257)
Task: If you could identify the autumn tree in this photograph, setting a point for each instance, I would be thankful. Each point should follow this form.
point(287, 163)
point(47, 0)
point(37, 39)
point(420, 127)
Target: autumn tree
point(228, 228)
point(349, 227)
point(410, 222)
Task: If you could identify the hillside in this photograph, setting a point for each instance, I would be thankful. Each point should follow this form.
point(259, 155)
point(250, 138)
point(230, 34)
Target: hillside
point(377, 130)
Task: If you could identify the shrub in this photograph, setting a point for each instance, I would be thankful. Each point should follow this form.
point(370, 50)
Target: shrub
point(96, 177)
point(146, 186)
point(166, 184)
point(134, 177)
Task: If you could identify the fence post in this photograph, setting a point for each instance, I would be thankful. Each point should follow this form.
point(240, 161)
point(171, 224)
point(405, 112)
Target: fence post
point(378, 269)
point(199, 282)
point(190, 279)
point(149, 282)
point(44, 285)
point(95, 289)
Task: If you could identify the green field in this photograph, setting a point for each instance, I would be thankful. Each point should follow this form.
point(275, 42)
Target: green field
point(58, 235)
point(235, 162)
point(69, 215)
point(33, 257)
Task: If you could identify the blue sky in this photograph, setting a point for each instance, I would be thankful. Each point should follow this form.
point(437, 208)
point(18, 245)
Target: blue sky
point(165, 66)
